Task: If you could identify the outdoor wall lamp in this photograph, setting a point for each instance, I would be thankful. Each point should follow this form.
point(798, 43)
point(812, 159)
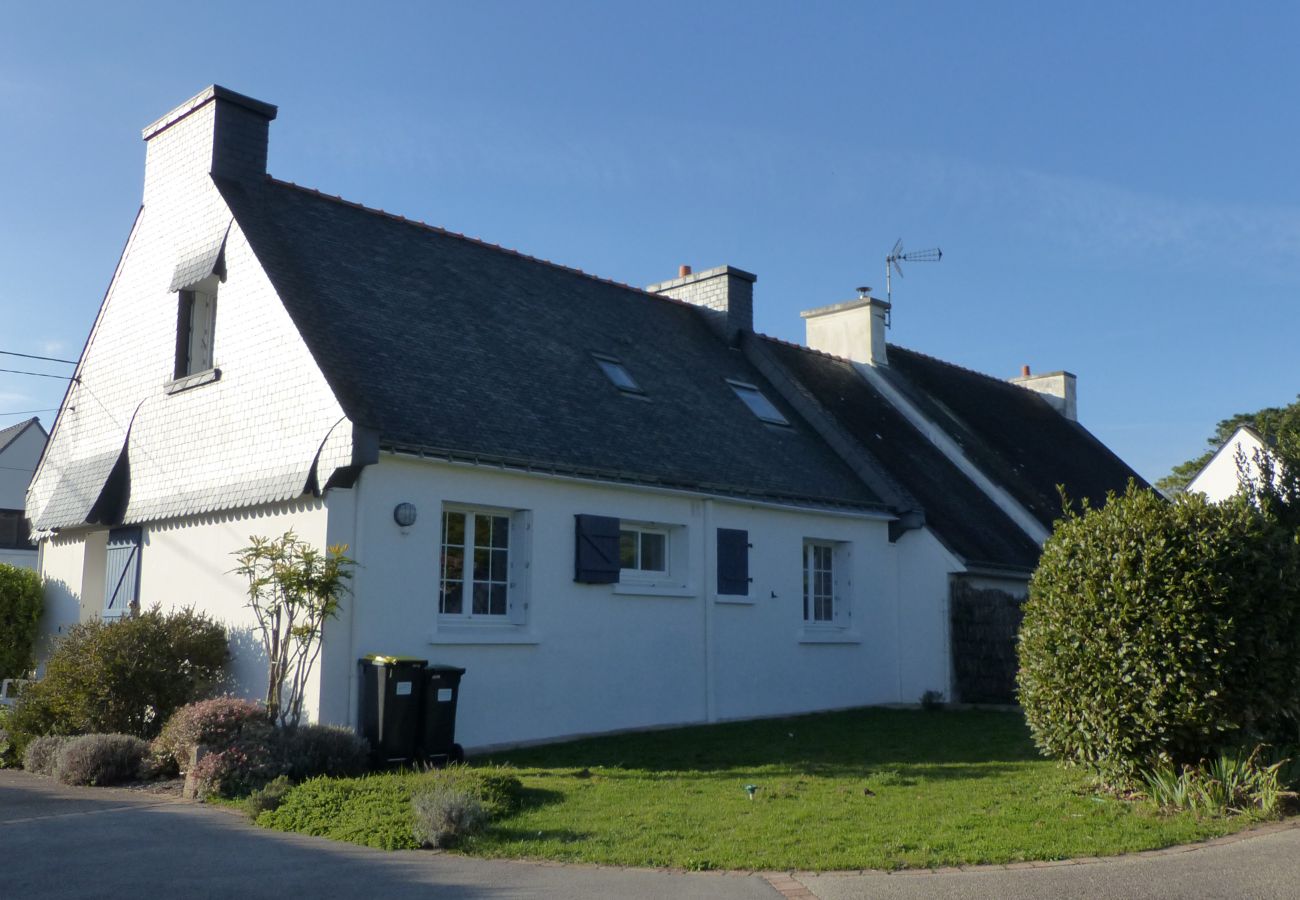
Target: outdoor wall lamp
point(404, 514)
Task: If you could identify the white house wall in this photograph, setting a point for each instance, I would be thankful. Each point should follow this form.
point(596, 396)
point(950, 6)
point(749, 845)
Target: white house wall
point(595, 658)
point(1220, 478)
point(924, 662)
point(184, 562)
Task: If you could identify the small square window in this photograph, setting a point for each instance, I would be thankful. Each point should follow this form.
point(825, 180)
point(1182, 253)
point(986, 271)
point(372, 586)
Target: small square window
point(617, 374)
point(757, 403)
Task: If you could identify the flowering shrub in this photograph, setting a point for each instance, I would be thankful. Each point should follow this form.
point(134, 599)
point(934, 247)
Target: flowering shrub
point(445, 814)
point(100, 759)
point(246, 766)
point(217, 724)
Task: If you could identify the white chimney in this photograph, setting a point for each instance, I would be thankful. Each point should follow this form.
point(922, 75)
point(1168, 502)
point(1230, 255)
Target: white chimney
point(854, 330)
point(1057, 388)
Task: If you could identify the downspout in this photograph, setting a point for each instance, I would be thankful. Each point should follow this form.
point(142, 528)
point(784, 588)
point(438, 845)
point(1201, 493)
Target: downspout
point(707, 564)
point(353, 676)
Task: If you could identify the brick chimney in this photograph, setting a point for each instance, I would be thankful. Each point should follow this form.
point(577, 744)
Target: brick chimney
point(216, 132)
point(726, 293)
point(854, 330)
point(1057, 388)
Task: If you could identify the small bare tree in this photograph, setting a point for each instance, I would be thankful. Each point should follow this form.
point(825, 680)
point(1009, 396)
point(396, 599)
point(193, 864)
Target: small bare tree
point(293, 588)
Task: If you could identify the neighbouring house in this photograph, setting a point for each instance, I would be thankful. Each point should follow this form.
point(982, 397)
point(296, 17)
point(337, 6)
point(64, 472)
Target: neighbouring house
point(617, 508)
point(1220, 478)
point(20, 450)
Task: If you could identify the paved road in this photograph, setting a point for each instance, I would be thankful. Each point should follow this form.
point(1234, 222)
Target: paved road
point(59, 842)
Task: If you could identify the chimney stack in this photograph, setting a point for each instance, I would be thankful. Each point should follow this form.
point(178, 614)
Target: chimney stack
point(1057, 388)
point(217, 132)
point(725, 293)
point(854, 330)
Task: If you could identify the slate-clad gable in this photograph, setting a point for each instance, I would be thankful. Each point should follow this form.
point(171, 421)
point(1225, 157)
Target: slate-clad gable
point(452, 347)
point(1012, 434)
point(963, 516)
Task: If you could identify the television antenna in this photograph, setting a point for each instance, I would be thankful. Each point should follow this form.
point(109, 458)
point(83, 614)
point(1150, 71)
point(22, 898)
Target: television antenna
point(897, 255)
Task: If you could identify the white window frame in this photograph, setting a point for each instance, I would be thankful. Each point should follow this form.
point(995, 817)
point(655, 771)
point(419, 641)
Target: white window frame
point(841, 581)
point(518, 564)
point(674, 579)
point(197, 314)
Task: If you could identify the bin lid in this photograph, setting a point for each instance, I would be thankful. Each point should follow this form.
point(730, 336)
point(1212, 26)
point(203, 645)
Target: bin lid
point(445, 669)
point(379, 659)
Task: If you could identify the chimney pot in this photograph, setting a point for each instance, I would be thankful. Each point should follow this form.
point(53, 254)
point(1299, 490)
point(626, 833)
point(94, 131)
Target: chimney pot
point(1024, 371)
point(683, 271)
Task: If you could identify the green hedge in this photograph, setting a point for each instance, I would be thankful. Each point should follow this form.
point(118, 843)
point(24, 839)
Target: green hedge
point(1157, 629)
point(125, 676)
point(21, 605)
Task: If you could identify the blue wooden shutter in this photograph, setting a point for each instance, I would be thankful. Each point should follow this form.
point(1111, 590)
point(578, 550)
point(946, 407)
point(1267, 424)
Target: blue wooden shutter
point(596, 549)
point(122, 572)
point(733, 561)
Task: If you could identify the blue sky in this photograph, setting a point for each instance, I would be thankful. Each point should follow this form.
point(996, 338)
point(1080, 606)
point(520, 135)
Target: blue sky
point(1114, 186)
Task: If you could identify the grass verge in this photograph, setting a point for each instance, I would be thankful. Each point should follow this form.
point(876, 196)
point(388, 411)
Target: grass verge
point(868, 788)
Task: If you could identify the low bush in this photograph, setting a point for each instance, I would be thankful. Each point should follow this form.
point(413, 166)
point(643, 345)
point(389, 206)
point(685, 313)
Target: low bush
point(9, 755)
point(309, 751)
point(21, 603)
point(445, 814)
point(1161, 631)
point(268, 798)
point(42, 754)
point(1230, 783)
point(100, 759)
point(126, 676)
point(377, 811)
point(217, 724)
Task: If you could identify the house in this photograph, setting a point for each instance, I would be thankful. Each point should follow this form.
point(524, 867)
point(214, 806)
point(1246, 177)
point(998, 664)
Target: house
point(1220, 478)
point(617, 508)
point(20, 450)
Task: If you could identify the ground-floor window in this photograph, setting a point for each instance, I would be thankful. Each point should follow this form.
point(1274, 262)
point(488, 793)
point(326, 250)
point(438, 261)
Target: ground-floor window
point(479, 564)
point(826, 582)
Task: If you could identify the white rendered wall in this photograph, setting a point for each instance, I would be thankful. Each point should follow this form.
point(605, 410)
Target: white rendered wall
point(1220, 479)
point(25, 559)
point(183, 562)
point(595, 658)
point(924, 658)
point(188, 562)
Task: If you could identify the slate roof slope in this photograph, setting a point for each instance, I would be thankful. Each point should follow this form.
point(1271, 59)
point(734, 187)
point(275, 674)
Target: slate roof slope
point(456, 347)
point(1012, 434)
point(956, 509)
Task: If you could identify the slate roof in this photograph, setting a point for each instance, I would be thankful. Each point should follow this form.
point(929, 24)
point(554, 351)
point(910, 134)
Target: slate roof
point(1011, 434)
point(457, 348)
point(956, 509)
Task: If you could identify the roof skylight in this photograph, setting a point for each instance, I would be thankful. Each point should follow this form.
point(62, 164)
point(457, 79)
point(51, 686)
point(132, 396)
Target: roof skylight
point(757, 403)
point(616, 373)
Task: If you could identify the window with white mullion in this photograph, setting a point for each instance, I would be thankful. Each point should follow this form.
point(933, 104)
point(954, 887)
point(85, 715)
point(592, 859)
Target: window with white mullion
point(643, 550)
point(475, 564)
point(819, 582)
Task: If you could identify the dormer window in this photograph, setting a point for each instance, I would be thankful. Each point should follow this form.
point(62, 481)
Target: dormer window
point(196, 326)
point(757, 403)
point(617, 374)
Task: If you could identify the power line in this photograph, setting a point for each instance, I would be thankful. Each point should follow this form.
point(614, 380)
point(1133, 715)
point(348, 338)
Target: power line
point(38, 374)
point(71, 362)
point(28, 412)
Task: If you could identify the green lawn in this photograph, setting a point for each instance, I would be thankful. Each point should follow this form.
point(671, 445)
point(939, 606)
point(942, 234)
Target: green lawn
point(863, 789)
